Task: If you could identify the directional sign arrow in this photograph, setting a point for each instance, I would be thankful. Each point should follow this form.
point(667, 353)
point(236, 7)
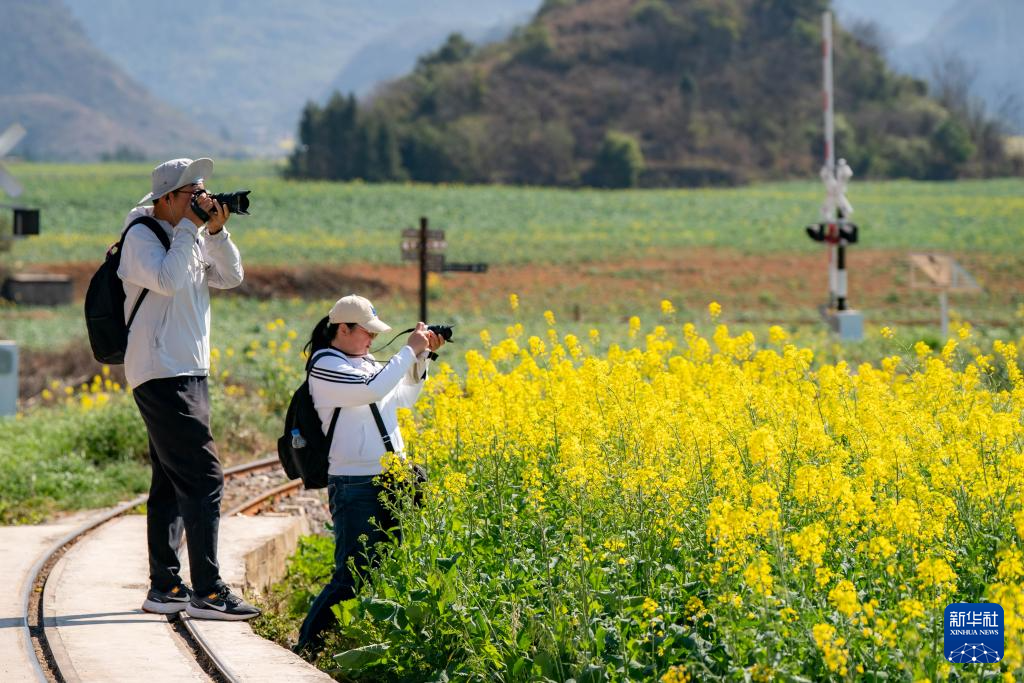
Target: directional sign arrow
point(8, 140)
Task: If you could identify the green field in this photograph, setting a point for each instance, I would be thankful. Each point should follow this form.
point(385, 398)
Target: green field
point(330, 224)
point(83, 207)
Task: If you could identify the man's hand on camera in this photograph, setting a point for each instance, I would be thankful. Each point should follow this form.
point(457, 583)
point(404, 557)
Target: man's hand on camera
point(419, 340)
point(219, 215)
point(204, 202)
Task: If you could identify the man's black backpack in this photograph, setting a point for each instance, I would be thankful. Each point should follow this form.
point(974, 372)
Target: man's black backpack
point(303, 448)
point(104, 301)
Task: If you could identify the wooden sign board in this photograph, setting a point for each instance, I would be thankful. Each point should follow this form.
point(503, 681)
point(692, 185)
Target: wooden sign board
point(940, 272)
point(436, 244)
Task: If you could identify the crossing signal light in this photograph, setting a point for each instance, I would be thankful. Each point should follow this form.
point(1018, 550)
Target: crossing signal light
point(819, 232)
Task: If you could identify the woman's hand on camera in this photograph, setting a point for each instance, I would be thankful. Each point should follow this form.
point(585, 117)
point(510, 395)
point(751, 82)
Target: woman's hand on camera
point(419, 340)
point(436, 341)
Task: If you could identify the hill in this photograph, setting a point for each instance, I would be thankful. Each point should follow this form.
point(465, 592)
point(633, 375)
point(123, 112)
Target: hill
point(75, 102)
point(247, 68)
point(656, 92)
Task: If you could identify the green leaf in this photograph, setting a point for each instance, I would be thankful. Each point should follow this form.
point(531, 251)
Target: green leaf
point(353, 660)
point(445, 564)
point(417, 612)
point(381, 610)
point(591, 673)
point(525, 638)
point(522, 664)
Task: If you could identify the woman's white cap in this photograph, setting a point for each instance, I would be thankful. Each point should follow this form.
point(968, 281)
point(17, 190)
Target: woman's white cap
point(356, 309)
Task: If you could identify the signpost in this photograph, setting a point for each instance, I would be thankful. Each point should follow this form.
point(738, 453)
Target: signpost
point(427, 247)
point(835, 228)
point(943, 275)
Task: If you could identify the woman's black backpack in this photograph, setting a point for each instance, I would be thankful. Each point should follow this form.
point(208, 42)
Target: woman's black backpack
point(303, 448)
point(104, 301)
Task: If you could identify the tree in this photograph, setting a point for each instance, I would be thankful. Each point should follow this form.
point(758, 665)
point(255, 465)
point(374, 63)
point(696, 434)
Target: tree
point(952, 146)
point(455, 49)
point(618, 163)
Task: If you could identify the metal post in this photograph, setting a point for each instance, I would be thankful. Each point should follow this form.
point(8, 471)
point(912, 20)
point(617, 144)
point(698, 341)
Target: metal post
point(423, 268)
point(828, 107)
point(841, 277)
point(944, 312)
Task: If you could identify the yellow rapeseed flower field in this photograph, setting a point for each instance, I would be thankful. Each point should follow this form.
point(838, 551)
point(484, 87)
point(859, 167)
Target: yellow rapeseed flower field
point(711, 507)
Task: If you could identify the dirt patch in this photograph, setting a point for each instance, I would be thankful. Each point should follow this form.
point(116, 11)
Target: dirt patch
point(261, 282)
point(757, 285)
point(876, 277)
point(71, 365)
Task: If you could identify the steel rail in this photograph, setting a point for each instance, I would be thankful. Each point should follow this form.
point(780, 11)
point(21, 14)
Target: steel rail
point(253, 505)
point(62, 663)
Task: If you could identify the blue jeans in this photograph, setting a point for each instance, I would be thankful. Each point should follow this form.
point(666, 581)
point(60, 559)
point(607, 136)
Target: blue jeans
point(354, 501)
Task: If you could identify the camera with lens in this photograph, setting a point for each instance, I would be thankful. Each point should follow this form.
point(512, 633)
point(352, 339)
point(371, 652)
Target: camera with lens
point(237, 202)
point(443, 331)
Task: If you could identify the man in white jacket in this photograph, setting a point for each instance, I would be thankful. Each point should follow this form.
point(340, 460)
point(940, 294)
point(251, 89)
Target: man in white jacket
point(166, 364)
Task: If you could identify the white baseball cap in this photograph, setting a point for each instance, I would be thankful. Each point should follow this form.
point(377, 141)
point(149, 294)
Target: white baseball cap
point(356, 309)
point(177, 173)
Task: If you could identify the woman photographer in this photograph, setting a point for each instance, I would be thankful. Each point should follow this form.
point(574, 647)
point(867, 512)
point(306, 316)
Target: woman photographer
point(343, 374)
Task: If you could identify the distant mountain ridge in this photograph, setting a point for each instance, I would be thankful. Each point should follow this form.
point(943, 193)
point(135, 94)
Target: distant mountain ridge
point(245, 69)
point(982, 33)
point(394, 54)
point(75, 103)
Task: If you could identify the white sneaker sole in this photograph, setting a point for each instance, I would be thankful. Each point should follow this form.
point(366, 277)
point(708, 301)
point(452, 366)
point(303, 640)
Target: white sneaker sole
point(197, 613)
point(154, 607)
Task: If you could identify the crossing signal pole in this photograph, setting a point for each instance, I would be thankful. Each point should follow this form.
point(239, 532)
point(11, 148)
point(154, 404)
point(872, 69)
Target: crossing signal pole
point(835, 229)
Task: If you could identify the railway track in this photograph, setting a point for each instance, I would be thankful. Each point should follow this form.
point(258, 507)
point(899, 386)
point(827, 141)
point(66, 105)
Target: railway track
point(246, 493)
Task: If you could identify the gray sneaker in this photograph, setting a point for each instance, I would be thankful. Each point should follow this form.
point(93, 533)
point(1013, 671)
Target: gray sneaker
point(222, 604)
point(167, 602)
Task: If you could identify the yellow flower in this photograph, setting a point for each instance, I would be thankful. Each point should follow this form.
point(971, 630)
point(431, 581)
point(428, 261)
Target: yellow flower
point(832, 651)
point(887, 333)
point(676, 674)
point(549, 317)
point(634, 326)
point(714, 310)
point(758, 575)
point(667, 308)
point(933, 572)
point(513, 301)
point(844, 597)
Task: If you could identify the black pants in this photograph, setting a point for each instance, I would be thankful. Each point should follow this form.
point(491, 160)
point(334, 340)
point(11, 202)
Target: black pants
point(187, 483)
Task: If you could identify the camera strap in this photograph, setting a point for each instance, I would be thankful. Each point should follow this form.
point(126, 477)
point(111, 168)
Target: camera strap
point(381, 428)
